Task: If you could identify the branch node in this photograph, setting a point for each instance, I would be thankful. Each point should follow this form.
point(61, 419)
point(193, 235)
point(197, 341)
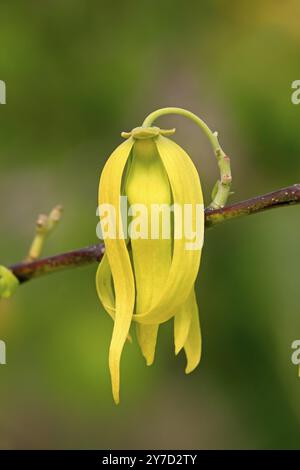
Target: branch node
point(44, 226)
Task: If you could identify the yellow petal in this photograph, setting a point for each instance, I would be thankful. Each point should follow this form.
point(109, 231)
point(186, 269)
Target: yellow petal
point(147, 338)
point(182, 322)
point(193, 343)
point(186, 189)
point(105, 289)
point(104, 286)
point(147, 184)
point(119, 261)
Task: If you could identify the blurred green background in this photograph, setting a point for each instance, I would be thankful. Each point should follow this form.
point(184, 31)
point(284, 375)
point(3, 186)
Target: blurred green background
point(77, 74)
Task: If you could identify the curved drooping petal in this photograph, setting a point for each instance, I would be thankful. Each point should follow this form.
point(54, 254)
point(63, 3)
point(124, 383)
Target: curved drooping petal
point(104, 287)
point(193, 342)
point(186, 190)
point(147, 186)
point(118, 258)
point(104, 281)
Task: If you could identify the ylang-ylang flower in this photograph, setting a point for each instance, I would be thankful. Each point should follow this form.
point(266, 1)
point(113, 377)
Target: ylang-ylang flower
point(150, 280)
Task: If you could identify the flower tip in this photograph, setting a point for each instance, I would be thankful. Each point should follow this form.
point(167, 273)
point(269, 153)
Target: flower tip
point(189, 369)
point(192, 365)
point(116, 395)
point(149, 361)
point(149, 358)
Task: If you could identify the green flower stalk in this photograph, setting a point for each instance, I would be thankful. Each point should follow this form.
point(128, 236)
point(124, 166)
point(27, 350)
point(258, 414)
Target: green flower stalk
point(149, 279)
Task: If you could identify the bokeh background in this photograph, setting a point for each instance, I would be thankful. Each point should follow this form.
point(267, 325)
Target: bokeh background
point(78, 73)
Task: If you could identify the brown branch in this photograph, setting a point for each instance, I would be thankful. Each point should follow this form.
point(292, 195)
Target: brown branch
point(92, 254)
point(283, 197)
point(72, 259)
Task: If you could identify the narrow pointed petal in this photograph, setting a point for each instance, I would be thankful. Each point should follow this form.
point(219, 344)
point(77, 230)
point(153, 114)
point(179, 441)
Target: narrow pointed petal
point(182, 322)
point(147, 338)
point(186, 189)
point(193, 343)
point(119, 261)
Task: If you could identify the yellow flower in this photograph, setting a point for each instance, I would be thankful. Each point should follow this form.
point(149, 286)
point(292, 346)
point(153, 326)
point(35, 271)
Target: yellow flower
point(147, 274)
